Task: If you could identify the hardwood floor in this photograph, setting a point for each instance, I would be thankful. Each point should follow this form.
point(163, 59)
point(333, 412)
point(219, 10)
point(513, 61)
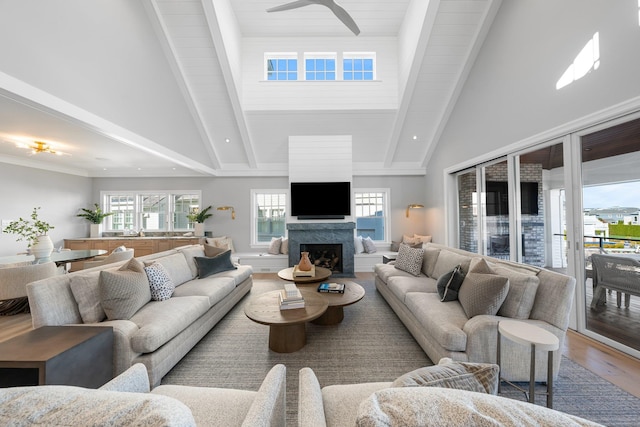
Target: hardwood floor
point(606, 362)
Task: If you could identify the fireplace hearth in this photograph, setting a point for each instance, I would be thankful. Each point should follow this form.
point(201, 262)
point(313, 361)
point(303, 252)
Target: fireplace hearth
point(325, 255)
point(323, 234)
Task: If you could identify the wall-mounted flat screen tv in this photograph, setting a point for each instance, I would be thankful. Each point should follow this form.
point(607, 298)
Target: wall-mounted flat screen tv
point(498, 198)
point(320, 200)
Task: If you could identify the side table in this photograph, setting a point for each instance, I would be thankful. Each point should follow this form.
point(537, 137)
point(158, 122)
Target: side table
point(61, 355)
point(537, 338)
point(388, 258)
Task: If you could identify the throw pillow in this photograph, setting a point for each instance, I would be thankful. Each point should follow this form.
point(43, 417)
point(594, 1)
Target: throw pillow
point(411, 241)
point(423, 239)
point(211, 251)
point(284, 247)
point(223, 242)
point(160, 283)
point(482, 291)
point(449, 284)
point(124, 291)
point(447, 260)
point(120, 249)
point(357, 243)
point(522, 293)
point(409, 259)
point(369, 246)
point(176, 266)
point(430, 259)
point(395, 246)
point(208, 266)
point(479, 377)
point(274, 246)
point(85, 290)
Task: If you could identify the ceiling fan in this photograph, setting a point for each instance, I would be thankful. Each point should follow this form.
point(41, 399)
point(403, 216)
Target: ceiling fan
point(337, 10)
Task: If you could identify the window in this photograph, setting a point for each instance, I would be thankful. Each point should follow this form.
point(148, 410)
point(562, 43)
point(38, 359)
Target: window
point(371, 212)
point(151, 211)
point(281, 66)
point(358, 66)
point(269, 215)
point(320, 67)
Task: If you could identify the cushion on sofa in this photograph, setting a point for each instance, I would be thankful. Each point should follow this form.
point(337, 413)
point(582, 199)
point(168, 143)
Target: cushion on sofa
point(435, 406)
point(482, 291)
point(274, 245)
point(410, 240)
point(219, 263)
point(284, 246)
point(223, 242)
point(191, 252)
point(215, 288)
point(449, 284)
point(211, 251)
point(160, 321)
point(422, 239)
point(429, 261)
point(239, 275)
point(160, 283)
point(56, 405)
point(176, 266)
point(386, 271)
point(369, 246)
point(447, 260)
point(479, 377)
point(522, 293)
point(444, 321)
point(409, 259)
point(124, 291)
point(86, 291)
point(401, 285)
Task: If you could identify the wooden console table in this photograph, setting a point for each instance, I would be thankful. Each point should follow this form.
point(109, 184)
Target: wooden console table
point(63, 355)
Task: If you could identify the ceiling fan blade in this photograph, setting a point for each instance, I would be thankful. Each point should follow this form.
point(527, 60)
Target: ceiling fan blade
point(346, 19)
point(292, 5)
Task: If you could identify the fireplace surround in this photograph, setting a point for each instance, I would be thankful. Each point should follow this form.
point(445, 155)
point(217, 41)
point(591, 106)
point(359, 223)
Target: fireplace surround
point(325, 233)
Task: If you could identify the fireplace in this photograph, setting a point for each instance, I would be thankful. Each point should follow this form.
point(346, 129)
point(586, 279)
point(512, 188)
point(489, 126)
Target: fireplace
point(322, 234)
point(325, 255)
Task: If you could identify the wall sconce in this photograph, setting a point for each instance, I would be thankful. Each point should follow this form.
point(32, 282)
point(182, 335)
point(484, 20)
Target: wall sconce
point(414, 206)
point(226, 208)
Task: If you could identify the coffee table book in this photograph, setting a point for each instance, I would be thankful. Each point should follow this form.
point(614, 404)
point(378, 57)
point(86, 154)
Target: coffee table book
point(300, 273)
point(288, 303)
point(332, 288)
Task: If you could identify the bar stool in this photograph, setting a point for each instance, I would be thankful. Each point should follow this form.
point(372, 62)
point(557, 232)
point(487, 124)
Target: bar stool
point(538, 339)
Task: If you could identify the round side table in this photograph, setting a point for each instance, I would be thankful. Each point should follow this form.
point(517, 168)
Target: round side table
point(538, 339)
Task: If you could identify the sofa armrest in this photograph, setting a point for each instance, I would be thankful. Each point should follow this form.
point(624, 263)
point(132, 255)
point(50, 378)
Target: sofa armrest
point(269, 406)
point(133, 380)
point(310, 404)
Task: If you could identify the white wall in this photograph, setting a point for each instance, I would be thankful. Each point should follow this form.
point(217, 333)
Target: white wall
point(511, 92)
point(59, 196)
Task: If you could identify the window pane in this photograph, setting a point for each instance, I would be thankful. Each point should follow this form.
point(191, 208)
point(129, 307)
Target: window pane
point(331, 76)
point(292, 76)
point(357, 64)
point(154, 211)
point(368, 64)
point(331, 64)
point(370, 215)
point(368, 75)
point(347, 65)
point(310, 65)
point(310, 76)
point(123, 209)
point(271, 215)
point(282, 64)
point(292, 65)
point(183, 204)
point(320, 64)
point(348, 75)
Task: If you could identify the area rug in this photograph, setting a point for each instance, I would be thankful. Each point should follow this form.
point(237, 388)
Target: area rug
point(370, 344)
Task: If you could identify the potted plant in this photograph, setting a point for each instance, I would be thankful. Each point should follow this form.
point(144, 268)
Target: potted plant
point(198, 217)
point(95, 216)
point(34, 232)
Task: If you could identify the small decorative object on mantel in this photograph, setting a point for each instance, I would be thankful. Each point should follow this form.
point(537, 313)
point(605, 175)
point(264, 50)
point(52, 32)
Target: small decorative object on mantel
point(305, 262)
point(95, 216)
point(34, 231)
point(198, 217)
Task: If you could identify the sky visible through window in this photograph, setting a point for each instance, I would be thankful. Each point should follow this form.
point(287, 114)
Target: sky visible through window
point(625, 194)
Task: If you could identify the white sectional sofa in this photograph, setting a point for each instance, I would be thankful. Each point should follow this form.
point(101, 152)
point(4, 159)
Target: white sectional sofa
point(443, 329)
point(160, 333)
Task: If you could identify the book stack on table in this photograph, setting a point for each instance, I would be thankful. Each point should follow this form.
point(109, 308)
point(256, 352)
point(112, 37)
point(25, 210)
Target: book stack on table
point(290, 297)
point(332, 288)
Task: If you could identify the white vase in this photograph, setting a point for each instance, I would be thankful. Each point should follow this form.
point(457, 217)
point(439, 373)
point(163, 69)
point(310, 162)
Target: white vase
point(42, 247)
point(95, 230)
point(198, 229)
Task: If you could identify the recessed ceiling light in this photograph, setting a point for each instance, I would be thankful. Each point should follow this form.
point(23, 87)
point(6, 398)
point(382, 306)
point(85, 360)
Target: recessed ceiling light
point(415, 137)
point(227, 140)
point(139, 169)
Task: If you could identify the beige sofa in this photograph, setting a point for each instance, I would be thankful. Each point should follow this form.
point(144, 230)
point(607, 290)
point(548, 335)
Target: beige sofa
point(127, 400)
point(160, 333)
point(539, 296)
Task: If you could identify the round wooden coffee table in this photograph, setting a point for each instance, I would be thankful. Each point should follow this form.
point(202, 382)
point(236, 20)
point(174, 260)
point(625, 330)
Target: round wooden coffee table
point(335, 312)
point(321, 274)
point(287, 328)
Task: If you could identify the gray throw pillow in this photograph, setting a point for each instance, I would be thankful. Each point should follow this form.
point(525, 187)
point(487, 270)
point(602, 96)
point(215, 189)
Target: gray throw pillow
point(522, 293)
point(479, 377)
point(449, 284)
point(211, 251)
point(86, 291)
point(482, 291)
point(124, 291)
point(160, 283)
point(219, 263)
point(369, 246)
point(409, 259)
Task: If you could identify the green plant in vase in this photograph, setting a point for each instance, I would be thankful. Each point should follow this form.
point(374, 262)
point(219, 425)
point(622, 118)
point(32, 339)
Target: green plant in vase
point(198, 217)
point(95, 215)
point(29, 230)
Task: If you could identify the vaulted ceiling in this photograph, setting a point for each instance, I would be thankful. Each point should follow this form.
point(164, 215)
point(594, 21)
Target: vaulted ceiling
point(167, 87)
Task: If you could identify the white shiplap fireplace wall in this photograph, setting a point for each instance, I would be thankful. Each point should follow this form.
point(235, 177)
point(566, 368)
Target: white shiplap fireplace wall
point(321, 158)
